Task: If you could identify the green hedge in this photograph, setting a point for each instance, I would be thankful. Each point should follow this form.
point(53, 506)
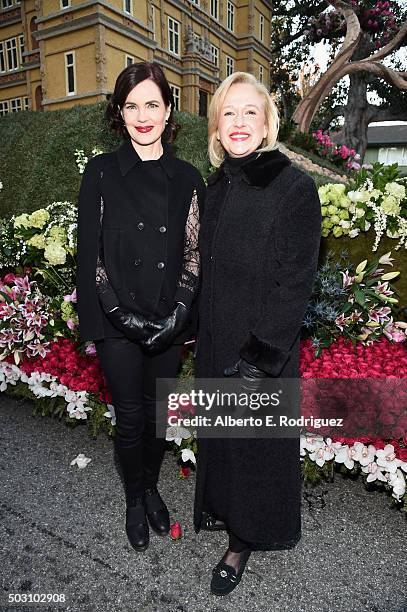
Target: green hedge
point(37, 165)
point(37, 159)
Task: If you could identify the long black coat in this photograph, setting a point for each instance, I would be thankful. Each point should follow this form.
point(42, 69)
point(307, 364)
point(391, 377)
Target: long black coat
point(259, 246)
point(142, 236)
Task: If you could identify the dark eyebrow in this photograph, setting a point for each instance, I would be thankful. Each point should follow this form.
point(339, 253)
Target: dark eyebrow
point(148, 102)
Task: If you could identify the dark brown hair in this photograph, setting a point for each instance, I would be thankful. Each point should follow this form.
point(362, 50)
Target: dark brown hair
point(125, 82)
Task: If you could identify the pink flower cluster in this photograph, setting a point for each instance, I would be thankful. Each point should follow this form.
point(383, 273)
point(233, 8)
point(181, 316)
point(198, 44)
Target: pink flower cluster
point(73, 369)
point(338, 154)
point(369, 404)
point(23, 318)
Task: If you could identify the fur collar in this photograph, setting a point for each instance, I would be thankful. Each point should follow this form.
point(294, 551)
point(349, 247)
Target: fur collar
point(259, 172)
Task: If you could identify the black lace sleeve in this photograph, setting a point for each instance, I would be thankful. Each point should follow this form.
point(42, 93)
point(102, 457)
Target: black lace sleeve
point(105, 291)
point(188, 281)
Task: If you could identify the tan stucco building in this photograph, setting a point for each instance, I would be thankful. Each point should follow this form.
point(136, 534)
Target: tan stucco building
point(58, 53)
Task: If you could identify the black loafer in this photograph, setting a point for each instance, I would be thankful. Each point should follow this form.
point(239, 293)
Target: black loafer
point(157, 512)
point(137, 526)
point(210, 523)
point(225, 578)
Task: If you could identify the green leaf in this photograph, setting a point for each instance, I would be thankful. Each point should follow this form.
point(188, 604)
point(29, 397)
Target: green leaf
point(359, 297)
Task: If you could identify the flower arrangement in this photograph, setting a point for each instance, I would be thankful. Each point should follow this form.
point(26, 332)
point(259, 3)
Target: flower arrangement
point(375, 198)
point(376, 462)
point(25, 319)
point(48, 237)
point(356, 306)
point(340, 155)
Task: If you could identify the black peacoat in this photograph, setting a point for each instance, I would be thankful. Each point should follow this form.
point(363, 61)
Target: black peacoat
point(141, 234)
point(259, 245)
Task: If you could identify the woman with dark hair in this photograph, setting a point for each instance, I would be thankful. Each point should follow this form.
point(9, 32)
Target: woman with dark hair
point(137, 276)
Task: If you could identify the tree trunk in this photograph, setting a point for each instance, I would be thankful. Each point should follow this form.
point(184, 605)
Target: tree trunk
point(357, 114)
point(358, 110)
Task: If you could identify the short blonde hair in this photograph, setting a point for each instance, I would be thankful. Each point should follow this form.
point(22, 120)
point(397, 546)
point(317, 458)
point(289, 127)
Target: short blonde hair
point(215, 149)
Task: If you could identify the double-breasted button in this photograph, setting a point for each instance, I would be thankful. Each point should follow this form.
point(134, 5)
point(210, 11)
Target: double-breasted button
point(160, 265)
point(140, 226)
point(137, 262)
point(163, 229)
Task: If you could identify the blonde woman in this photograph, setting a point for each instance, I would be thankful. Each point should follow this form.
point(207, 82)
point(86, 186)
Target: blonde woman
point(259, 246)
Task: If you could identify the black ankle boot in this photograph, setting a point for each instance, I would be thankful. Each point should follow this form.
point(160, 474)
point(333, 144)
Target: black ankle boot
point(136, 524)
point(157, 511)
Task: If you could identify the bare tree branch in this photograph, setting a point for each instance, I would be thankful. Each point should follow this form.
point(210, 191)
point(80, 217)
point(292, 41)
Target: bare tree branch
point(341, 66)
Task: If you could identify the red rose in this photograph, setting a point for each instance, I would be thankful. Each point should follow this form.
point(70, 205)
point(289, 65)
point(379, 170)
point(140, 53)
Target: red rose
point(176, 531)
point(184, 472)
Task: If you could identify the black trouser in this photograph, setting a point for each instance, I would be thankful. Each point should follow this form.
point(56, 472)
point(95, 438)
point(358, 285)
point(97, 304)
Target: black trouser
point(131, 379)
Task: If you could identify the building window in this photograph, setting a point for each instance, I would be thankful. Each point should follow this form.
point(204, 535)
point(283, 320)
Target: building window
point(393, 155)
point(128, 60)
point(6, 3)
point(215, 9)
point(173, 36)
point(215, 55)
point(15, 105)
point(127, 6)
point(65, 4)
point(176, 92)
point(11, 48)
point(70, 73)
point(230, 65)
point(261, 27)
point(196, 2)
point(4, 108)
point(230, 16)
point(261, 74)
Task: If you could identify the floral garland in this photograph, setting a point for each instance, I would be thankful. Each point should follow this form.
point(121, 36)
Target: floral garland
point(76, 378)
point(377, 198)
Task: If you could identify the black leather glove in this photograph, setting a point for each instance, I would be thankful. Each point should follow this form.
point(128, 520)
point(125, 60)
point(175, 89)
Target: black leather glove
point(170, 327)
point(134, 325)
point(250, 375)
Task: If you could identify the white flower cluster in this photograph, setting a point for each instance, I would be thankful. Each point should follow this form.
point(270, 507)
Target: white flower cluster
point(379, 464)
point(347, 212)
point(82, 159)
point(42, 384)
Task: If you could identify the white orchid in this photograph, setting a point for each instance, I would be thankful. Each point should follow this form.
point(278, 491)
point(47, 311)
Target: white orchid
point(323, 454)
point(176, 434)
point(188, 455)
point(364, 454)
point(81, 461)
point(386, 458)
point(398, 483)
point(374, 472)
point(345, 455)
point(77, 407)
point(110, 414)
